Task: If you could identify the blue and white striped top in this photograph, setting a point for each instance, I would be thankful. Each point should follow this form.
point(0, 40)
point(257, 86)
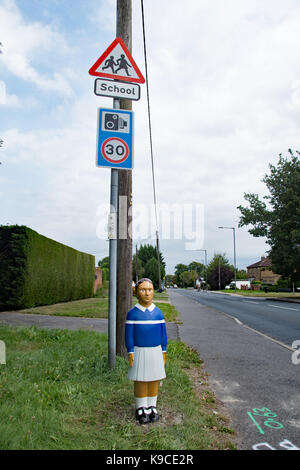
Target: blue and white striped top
point(145, 328)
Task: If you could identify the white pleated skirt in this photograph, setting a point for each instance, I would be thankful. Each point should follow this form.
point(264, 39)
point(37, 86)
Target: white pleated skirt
point(148, 365)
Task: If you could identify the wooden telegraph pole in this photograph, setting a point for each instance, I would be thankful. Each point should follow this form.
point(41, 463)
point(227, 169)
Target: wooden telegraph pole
point(124, 243)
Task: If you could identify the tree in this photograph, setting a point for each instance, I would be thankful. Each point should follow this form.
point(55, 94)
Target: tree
point(151, 271)
point(170, 279)
point(140, 268)
point(104, 265)
point(219, 262)
point(104, 262)
point(241, 274)
point(198, 267)
point(145, 254)
point(279, 220)
point(224, 275)
point(179, 269)
point(219, 259)
point(188, 278)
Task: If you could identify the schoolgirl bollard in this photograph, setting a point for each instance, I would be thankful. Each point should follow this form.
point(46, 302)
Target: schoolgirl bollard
point(146, 343)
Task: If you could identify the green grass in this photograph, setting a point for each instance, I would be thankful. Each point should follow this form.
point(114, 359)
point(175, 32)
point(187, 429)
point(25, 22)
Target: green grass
point(160, 296)
point(169, 311)
point(56, 392)
point(253, 293)
point(95, 307)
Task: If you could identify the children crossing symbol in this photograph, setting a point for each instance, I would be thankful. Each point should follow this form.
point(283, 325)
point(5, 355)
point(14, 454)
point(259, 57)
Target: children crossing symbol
point(117, 63)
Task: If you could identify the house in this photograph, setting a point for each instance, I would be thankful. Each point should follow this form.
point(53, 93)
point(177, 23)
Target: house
point(262, 271)
point(98, 279)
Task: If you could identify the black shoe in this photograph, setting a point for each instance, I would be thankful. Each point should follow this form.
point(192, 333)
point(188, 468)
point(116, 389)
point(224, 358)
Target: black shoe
point(141, 416)
point(153, 415)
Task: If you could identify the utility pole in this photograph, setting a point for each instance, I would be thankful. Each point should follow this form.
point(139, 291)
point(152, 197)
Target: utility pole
point(124, 243)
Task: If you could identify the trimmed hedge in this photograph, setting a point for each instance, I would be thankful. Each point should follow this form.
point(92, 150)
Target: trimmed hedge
point(35, 270)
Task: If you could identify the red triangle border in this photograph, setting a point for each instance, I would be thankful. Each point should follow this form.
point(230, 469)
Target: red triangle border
point(101, 59)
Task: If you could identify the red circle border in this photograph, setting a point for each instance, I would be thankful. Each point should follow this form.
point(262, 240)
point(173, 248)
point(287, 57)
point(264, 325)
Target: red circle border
point(109, 159)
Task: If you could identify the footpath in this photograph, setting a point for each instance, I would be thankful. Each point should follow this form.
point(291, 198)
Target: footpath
point(252, 376)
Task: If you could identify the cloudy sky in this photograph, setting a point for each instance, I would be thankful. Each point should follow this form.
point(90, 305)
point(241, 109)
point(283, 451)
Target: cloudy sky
point(224, 80)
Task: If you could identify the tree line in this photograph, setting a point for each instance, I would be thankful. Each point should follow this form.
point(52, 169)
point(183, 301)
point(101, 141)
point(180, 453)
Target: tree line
point(144, 264)
point(219, 273)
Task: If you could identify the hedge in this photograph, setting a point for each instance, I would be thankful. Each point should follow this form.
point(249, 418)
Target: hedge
point(35, 270)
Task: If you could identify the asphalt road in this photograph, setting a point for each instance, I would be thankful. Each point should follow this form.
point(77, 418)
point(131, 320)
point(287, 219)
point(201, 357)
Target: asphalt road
point(279, 320)
point(253, 375)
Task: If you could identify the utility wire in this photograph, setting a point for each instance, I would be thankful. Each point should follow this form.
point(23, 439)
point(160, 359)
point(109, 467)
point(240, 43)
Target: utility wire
point(151, 147)
point(149, 114)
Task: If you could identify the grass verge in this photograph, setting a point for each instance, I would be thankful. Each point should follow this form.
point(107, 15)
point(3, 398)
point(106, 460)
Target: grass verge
point(253, 293)
point(96, 307)
point(57, 393)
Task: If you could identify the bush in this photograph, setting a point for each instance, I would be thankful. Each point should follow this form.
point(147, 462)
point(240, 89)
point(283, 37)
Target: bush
point(35, 270)
point(283, 283)
point(103, 290)
point(105, 274)
point(269, 287)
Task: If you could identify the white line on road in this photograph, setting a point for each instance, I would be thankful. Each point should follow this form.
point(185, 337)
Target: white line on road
point(285, 308)
point(251, 302)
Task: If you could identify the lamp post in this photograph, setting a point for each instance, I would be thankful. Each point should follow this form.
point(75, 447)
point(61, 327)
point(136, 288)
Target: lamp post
point(234, 253)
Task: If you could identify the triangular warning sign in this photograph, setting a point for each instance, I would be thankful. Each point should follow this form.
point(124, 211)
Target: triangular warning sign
point(116, 62)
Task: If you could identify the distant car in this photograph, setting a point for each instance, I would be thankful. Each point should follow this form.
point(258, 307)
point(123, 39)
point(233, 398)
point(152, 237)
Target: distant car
point(239, 284)
point(175, 286)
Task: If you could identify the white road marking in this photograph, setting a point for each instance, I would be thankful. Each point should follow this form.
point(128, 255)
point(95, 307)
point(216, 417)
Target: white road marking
point(251, 302)
point(285, 308)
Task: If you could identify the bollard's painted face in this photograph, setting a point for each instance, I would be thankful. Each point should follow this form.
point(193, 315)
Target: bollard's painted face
point(145, 293)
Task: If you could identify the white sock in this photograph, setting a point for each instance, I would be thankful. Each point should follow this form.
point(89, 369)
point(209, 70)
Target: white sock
point(151, 401)
point(141, 402)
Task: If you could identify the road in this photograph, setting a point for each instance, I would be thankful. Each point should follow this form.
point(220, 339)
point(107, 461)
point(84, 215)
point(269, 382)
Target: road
point(279, 320)
point(252, 374)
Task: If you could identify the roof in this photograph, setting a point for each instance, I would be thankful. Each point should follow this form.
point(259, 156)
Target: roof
point(264, 262)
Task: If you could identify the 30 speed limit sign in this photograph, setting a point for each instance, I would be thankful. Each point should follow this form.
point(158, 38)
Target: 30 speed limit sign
point(115, 150)
point(115, 138)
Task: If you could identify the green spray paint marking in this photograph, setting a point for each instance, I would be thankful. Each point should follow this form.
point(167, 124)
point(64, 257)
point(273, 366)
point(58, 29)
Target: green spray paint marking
point(255, 422)
point(270, 422)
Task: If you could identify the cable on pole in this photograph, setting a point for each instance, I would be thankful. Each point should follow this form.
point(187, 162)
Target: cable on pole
point(151, 142)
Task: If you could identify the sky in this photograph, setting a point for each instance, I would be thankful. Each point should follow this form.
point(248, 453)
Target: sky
point(224, 84)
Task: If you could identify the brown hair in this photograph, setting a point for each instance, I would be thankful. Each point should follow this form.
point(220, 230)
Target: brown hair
point(144, 279)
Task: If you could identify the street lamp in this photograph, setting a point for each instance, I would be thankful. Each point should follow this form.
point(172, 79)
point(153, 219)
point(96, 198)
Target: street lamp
point(234, 253)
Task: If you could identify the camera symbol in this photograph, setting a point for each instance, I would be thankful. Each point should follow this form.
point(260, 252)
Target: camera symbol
point(113, 122)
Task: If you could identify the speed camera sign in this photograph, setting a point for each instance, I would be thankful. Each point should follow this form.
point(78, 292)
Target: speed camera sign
point(115, 138)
